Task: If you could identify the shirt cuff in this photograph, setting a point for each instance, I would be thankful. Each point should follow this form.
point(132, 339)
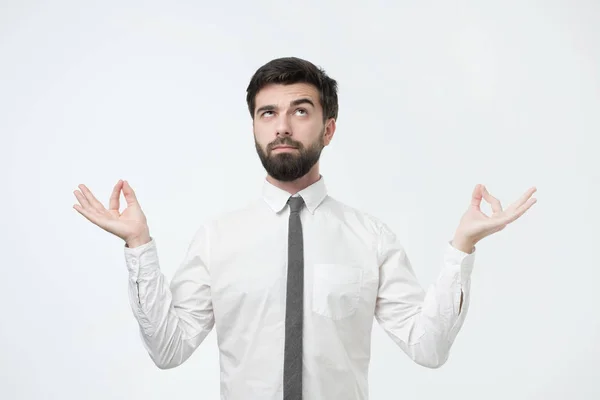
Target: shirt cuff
point(464, 261)
point(141, 259)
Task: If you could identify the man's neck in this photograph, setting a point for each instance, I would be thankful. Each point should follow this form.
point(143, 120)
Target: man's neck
point(294, 187)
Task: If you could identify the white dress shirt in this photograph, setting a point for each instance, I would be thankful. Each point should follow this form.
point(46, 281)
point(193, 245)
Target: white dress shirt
point(233, 277)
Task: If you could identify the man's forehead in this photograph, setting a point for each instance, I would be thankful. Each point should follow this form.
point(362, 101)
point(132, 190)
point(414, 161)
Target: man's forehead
point(280, 93)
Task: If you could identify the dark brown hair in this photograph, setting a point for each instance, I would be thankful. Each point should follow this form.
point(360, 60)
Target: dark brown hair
point(289, 70)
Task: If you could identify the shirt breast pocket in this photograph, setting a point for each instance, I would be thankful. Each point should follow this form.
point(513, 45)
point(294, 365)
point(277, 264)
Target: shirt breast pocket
point(336, 290)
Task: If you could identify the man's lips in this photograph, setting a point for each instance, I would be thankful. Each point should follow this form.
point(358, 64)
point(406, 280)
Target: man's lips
point(283, 147)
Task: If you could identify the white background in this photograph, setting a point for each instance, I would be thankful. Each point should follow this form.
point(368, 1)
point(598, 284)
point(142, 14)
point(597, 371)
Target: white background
point(434, 98)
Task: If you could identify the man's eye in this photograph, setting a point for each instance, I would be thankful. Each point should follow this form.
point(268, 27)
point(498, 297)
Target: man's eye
point(265, 113)
point(302, 110)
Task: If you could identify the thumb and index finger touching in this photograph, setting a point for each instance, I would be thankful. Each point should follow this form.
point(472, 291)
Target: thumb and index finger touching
point(128, 193)
point(479, 192)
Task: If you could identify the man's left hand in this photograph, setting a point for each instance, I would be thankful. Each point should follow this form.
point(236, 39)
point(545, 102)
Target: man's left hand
point(475, 225)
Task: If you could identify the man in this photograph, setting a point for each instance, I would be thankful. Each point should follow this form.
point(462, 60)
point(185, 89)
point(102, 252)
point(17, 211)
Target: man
point(293, 281)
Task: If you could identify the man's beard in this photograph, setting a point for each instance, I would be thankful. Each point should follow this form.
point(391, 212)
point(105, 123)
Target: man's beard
point(290, 165)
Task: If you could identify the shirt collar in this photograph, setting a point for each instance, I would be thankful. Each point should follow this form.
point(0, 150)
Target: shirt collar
point(277, 198)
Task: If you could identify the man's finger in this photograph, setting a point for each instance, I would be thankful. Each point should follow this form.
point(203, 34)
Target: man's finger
point(476, 196)
point(113, 203)
point(494, 202)
point(90, 197)
point(88, 213)
point(524, 197)
point(521, 210)
point(82, 199)
point(129, 193)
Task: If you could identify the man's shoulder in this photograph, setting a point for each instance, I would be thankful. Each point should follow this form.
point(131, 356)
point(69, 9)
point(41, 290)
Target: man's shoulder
point(235, 214)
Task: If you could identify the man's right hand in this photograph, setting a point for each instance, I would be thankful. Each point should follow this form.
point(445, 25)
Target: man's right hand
point(131, 225)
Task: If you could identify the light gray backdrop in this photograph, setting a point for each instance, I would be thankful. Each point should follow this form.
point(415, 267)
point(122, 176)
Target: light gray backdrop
point(434, 98)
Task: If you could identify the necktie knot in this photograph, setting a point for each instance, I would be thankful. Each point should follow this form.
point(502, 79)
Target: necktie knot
point(296, 204)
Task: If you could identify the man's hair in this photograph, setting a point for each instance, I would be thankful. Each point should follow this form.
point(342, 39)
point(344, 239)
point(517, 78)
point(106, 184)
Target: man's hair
point(289, 70)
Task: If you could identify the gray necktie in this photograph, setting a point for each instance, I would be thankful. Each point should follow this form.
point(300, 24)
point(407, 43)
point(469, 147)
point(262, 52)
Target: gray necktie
point(292, 364)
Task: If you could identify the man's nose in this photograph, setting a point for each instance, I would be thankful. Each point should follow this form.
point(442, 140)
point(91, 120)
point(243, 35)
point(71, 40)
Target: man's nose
point(283, 126)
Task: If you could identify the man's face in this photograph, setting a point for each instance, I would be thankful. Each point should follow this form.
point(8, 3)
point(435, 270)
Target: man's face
point(290, 115)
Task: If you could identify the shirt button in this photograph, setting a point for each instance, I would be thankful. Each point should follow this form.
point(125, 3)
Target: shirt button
point(134, 261)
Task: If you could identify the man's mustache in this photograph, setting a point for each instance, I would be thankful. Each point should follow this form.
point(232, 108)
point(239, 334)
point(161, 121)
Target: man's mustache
point(284, 143)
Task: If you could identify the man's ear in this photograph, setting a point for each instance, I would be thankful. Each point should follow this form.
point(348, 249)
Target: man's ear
point(329, 131)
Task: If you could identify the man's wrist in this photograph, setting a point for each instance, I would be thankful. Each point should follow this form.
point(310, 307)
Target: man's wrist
point(463, 244)
point(138, 240)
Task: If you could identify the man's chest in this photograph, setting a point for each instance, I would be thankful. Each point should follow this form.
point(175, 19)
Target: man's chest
point(250, 272)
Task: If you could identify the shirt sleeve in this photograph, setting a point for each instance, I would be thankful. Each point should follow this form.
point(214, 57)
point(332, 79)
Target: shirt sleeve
point(422, 323)
point(173, 318)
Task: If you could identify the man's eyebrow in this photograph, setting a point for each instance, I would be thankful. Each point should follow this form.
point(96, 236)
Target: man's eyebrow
point(265, 108)
point(293, 103)
point(302, 101)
